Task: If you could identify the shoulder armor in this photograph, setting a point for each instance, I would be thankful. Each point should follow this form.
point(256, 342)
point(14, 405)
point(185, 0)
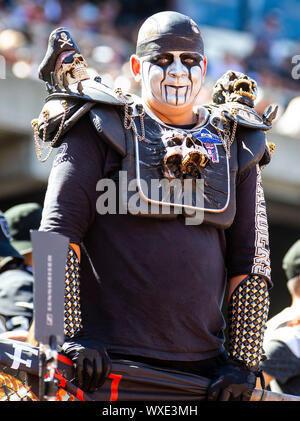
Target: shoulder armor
point(62, 109)
point(235, 93)
point(72, 94)
point(91, 90)
point(107, 122)
point(244, 115)
point(233, 103)
point(253, 147)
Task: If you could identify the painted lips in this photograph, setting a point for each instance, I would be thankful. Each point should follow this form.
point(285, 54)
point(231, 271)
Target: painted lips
point(176, 94)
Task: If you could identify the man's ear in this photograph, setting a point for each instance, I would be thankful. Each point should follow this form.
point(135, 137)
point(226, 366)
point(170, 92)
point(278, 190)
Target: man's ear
point(204, 66)
point(135, 66)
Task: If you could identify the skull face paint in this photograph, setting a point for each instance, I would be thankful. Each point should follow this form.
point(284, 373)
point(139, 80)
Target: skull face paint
point(172, 78)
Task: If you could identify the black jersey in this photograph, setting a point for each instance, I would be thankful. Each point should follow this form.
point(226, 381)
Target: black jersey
point(161, 282)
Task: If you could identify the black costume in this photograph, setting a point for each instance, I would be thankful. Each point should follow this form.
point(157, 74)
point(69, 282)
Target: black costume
point(151, 286)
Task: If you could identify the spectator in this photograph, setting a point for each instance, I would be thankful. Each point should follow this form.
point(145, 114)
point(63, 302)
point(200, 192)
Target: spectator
point(288, 124)
point(22, 219)
point(282, 337)
point(16, 286)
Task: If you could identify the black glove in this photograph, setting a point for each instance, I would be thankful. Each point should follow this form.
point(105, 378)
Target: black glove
point(92, 366)
point(232, 381)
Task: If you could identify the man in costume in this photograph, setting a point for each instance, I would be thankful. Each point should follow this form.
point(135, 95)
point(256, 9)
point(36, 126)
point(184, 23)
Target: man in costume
point(141, 284)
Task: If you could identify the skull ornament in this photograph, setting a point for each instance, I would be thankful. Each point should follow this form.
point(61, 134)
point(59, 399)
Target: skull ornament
point(184, 155)
point(72, 66)
point(235, 87)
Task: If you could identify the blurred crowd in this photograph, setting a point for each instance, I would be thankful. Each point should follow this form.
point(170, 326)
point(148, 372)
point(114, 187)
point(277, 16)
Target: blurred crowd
point(106, 32)
point(105, 38)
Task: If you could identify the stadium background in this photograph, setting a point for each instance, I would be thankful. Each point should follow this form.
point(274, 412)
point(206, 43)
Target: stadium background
point(258, 37)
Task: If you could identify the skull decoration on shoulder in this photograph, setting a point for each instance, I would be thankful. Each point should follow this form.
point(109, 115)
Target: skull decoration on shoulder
point(185, 155)
point(71, 67)
point(235, 87)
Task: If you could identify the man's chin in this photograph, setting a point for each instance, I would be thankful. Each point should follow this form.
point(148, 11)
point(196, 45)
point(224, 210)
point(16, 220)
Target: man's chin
point(177, 102)
point(170, 108)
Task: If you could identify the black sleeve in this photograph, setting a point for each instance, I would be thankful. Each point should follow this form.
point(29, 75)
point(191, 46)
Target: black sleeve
point(247, 240)
point(70, 201)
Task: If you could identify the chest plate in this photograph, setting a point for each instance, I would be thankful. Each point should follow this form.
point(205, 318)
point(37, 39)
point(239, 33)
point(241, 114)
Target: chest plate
point(159, 190)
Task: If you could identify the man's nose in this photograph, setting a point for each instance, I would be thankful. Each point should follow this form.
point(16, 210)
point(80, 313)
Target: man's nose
point(177, 69)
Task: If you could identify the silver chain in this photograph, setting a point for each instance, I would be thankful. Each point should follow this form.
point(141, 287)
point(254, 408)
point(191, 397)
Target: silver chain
point(129, 118)
point(40, 145)
point(227, 141)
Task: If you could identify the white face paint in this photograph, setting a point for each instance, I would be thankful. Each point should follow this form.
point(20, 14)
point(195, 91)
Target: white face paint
point(173, 78)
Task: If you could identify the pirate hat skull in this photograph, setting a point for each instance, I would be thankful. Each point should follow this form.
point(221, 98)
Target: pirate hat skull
point(60, 42)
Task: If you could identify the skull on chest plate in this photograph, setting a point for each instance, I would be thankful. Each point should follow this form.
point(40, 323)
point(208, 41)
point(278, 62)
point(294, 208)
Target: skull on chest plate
point(185, 155)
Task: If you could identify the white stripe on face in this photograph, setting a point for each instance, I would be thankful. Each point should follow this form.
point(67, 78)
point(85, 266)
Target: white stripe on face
point(172, 78)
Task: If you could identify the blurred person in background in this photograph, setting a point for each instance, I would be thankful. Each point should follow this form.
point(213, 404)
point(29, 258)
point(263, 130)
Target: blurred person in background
point(22, 219)
point(16, 289)
point(16, 278)
point(282, 336)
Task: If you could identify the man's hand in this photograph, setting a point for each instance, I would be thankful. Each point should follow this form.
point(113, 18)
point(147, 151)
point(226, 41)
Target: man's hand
point(232, 382)
point(92, 366)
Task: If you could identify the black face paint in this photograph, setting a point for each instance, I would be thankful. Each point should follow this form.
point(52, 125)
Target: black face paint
point(188, 59)
point(164, 60)
point(191, 59)
point(170, 76)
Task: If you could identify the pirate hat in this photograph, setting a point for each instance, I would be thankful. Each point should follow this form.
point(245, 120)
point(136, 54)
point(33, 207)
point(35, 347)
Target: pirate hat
point(60, 41)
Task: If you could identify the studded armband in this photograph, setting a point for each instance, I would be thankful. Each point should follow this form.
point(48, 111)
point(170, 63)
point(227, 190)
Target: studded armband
point(72, 311)
point(247, 315)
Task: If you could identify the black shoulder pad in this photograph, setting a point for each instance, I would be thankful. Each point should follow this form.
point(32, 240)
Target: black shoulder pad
point(87, 90)
point(252, 146)
point(57, 117)
point(245, 116)
point(63, 108)
point(107, 122)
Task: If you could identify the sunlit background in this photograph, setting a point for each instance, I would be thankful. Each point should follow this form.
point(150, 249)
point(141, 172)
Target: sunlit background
point(258, 37)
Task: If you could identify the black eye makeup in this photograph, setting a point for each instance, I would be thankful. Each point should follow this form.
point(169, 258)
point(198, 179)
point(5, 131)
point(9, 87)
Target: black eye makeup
point(165, 59)
point(190, 59)
point(162, 60)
